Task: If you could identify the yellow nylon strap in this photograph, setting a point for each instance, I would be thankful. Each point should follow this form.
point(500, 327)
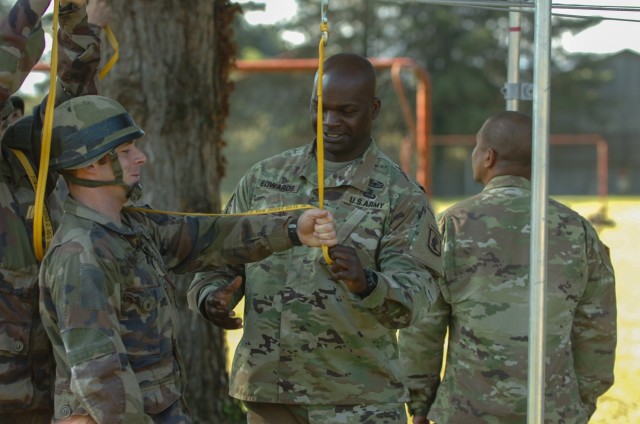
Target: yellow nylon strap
point(257, 212)
point(46, 140)
point(324, 29)
point(48, 224)
point(111, 37)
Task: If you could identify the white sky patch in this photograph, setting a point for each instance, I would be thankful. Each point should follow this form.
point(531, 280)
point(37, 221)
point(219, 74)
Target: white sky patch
point(28, 87)
point(293, 37)
point(609, 36)
point(275, 11)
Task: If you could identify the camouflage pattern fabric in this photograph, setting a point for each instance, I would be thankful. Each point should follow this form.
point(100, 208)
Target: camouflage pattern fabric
point(26, 361)
point(485, 303)
point(79, 55)
point(108, 304)
point(307, 339)
point(22, 44)
point(390, 413)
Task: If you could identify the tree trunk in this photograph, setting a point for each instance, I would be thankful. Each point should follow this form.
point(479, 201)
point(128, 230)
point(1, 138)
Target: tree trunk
point(172, 75)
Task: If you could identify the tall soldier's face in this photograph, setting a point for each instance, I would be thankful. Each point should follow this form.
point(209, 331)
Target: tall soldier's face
point(349, 108)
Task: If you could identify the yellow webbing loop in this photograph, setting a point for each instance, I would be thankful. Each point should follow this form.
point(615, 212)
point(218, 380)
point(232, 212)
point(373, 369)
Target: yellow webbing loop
point(256, 212)
point(324, 29)
point(46, 141)
point(48, 224)
point(116, 52)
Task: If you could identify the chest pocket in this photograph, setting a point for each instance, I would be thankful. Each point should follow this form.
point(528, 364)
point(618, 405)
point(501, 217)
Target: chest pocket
point(145, 308)
point(142, 319)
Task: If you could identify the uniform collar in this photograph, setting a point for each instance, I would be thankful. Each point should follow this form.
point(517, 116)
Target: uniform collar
point(508, 181)
point(356, 174)
point(73, 207)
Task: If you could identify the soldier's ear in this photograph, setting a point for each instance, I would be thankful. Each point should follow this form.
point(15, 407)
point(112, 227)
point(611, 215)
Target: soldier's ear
point(377, 104)
point(490, 158)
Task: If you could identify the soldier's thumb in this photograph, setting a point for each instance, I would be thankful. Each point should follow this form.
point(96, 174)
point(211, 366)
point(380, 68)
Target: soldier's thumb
point(235, 285)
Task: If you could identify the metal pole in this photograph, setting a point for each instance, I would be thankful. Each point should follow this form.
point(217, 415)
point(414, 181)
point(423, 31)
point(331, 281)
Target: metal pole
point(540, 188)
point(513, 68)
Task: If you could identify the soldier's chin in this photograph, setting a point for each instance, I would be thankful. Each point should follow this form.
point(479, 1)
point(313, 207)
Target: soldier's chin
point(135, 192)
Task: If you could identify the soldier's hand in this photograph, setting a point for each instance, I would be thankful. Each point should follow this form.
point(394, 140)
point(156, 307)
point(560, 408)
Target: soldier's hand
point(316, 227)
point(347, 268)
point(99, 13)
point(217, 306)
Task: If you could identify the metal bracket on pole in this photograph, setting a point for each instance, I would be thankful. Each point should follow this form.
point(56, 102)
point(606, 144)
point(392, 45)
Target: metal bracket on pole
point(517, 91)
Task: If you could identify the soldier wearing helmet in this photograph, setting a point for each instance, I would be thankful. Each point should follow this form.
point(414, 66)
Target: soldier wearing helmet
point(107, 297)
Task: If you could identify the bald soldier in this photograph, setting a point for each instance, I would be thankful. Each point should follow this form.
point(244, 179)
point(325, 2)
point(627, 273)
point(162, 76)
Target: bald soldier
point(319, 342)
point(485, 300)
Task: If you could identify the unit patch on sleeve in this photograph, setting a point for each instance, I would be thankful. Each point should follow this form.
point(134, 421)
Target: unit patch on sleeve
point(435, 241)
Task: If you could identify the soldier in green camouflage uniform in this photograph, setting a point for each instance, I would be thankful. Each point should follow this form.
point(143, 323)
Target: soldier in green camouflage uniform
point(485, 301)
point(26, 359)
point(319, 342)
point(107, 298)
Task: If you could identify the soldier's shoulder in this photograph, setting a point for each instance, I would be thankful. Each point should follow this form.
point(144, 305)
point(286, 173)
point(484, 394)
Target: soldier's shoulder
point(278, 162)
point(287, 155)
point(398, 178)
point(566, 215)
point(462, 207)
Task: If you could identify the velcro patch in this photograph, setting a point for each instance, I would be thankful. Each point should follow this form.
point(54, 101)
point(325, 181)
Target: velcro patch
point(435, 241)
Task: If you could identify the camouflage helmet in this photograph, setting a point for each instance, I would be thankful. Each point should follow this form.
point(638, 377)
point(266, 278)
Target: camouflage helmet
point(86, 128)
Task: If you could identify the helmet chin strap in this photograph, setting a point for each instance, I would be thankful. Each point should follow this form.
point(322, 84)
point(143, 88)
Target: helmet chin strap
point(134, 191)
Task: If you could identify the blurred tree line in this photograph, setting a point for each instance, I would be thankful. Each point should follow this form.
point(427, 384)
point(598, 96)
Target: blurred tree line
point(464, 50)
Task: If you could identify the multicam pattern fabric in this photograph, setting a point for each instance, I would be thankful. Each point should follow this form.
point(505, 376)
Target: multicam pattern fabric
point(390, 413)
point(485, 304)
point(108, 304)
point(307, 339)
point(26, 361)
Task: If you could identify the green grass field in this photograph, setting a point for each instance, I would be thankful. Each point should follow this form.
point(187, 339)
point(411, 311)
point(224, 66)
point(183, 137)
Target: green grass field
point(621, 404)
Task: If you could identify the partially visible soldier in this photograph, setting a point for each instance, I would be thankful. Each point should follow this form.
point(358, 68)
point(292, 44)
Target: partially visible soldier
point(485, 301)
point(319, 344)
point(107, 296)
point(14, 111)
point(26, 359)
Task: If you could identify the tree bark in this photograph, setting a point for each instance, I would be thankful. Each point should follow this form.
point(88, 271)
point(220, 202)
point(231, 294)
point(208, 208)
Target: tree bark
point(172, 76)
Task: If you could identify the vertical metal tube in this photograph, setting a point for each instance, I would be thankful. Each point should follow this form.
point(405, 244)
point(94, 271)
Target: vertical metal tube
point(513, 65)
point(540, 188)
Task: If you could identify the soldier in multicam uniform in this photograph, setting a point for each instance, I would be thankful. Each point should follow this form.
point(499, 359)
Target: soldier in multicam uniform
point(319, 342)
point(26, 359)
point(485, 301)
point(107, 298)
